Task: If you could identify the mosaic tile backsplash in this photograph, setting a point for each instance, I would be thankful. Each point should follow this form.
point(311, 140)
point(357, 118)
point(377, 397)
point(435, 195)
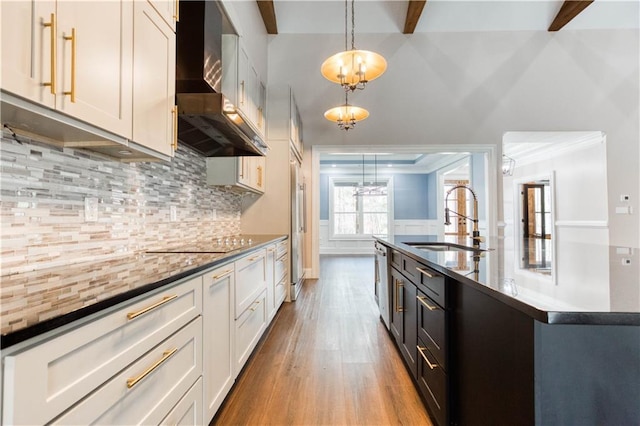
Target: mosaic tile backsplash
point(42, 205)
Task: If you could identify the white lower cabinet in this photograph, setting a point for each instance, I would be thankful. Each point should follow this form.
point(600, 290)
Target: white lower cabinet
point(147, 390)
point(218, 331)
point(44, 380)
point(249, 328)
point(168, 357)
point(188, 411)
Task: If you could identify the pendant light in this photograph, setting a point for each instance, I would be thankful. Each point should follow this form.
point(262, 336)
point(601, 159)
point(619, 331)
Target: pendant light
point(346, 116)
point(353, 69)
point(374, 188)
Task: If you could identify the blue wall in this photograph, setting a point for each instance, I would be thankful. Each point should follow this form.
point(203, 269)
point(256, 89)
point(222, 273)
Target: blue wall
point(414, 195)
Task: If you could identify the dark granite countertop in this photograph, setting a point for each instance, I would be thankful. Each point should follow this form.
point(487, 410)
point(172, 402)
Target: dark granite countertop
point(590, 284)
point(35, 302)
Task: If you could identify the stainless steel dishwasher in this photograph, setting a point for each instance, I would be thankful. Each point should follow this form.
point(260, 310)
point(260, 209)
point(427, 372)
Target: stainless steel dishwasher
point(382, 282)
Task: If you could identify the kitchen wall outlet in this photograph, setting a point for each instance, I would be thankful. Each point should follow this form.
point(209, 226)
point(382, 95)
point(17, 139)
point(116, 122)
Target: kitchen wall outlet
point(626, 261)
point(623, 250)
point(90, 209)
point(624, 197)
point(214, 214)
point(173, 213)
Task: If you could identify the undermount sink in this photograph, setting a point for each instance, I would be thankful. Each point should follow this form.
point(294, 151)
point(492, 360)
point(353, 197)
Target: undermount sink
point(443, 246)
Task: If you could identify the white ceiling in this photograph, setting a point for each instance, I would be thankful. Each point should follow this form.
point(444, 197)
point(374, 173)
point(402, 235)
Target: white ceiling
point(383, 17)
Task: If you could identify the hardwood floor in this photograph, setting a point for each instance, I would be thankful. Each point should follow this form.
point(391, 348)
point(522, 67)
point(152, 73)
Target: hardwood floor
point(327, 359)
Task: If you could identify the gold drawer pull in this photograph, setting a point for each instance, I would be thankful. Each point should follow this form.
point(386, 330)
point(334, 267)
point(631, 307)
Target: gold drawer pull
point(398, 285)
point(176, 10)
point(132, 315)
point(431, 366)
point(251, 259)
point(423, 300)
point(165, 356)
point(427, 273)
point(222, 275)
point(256, 303)
point(73, 39)
point(52, 26)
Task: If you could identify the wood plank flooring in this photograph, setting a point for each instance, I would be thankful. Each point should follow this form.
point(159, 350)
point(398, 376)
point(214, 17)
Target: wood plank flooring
point(327, 360)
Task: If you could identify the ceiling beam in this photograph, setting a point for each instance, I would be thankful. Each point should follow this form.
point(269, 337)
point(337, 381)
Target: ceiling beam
point(268, 12)
point(569, 10)
point(414, 10)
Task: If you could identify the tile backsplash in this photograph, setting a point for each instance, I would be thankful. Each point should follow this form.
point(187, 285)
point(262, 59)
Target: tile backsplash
point(42, 205)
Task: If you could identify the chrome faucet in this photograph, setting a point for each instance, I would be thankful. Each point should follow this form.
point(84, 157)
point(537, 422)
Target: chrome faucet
point(477, 239)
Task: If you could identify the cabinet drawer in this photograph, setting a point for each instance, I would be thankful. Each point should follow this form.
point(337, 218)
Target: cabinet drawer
point(431, 327)
point(249, 328)
point(395, 258)
point(251, 279)
point(49, 378)
point(428, 280)
point(280, 291)
point(432, 382)
point(281, 267)
point(146, 391)
point(188, 411)
point(282, 248)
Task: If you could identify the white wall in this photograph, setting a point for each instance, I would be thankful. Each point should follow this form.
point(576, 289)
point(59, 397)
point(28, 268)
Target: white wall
point(470, 88)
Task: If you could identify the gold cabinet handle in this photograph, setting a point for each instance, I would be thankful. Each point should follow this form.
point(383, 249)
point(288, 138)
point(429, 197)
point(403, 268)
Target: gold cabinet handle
point(52, 26)
point(73, 39)
point(241, 167)
point(423, 300)
point(256, 303)
point(165, 356)
point(427, 273)
point(398, 285)
point(222, 275)
point(174, 116)
point(424, 356)
point(166, 299)
point(242, 92)
point(259, 169)
point(254, 258)
point(176, 10)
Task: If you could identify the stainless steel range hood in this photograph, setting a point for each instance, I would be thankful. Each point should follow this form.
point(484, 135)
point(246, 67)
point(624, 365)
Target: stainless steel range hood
point(210, 124)
point(207, 121)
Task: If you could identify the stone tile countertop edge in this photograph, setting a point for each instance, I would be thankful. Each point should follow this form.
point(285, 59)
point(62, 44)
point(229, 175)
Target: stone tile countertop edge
point(33, 303)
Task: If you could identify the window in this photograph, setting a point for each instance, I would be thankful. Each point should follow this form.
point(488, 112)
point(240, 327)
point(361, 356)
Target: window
point(358, 216)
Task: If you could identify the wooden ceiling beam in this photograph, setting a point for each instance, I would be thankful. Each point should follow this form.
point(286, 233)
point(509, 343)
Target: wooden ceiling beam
point(268, 12)
point(414, 10)
point(569, 10)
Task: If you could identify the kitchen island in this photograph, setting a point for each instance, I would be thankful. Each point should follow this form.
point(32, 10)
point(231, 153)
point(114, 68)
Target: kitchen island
point(489, 344)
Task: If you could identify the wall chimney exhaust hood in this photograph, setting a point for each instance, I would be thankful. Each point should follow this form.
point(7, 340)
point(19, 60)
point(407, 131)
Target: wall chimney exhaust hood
point(207, 121)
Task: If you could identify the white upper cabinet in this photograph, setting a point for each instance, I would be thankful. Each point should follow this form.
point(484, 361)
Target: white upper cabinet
point(243, 173)
point(241, 83)
point(169, 11)
point(94, 52)
point(28, 41)
point(68, 71)
point(284, 121)
point(154, 55)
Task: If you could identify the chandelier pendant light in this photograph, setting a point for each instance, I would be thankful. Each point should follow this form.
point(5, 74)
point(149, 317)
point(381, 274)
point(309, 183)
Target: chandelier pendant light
point(374, 188)
point(346, 116)
point(353, 69)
